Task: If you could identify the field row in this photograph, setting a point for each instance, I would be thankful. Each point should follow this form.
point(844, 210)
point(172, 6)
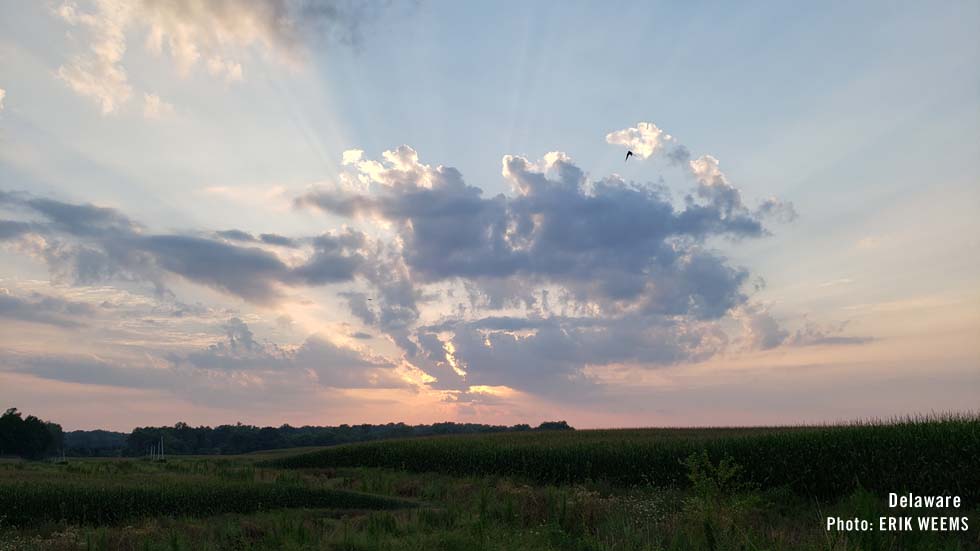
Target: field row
point(102, 503)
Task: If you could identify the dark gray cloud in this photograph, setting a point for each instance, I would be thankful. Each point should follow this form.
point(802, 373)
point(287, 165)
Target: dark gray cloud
point(607, 241)
point(88, 244)
point(83, 220)
point(12, 229)
point(239, 351)
point(632, 266)
point(207, 387)
point(38, 308)
point(276, 239)
point(248, 272)
point(339, 367)
point(236, 235)
point(549, 356)
point(90, 371)
point(267, 238)
point(334, 366)
point(237, 367)
point(336, 258)
point(76, 219)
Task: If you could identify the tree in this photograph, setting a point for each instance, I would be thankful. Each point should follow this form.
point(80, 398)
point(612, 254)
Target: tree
point(554, 425)
point(28, 437)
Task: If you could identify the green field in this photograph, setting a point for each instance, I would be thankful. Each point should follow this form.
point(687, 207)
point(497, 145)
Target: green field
point(767, 488)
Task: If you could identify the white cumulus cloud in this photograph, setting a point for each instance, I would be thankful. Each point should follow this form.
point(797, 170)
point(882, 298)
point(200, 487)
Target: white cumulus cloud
point(644, 140)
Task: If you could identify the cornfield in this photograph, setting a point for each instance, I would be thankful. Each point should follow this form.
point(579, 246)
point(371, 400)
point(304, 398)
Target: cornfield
point(926, 456)
point(101, 503)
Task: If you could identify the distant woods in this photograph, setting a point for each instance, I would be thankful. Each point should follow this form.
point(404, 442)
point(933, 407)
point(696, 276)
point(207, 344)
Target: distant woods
point(233, 439)
point(44, 439)
point(28, 437)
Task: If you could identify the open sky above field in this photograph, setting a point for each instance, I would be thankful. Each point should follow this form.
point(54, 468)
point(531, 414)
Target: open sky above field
point(320, 213)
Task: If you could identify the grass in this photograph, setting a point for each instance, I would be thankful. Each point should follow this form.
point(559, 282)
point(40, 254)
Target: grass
point(252, 502)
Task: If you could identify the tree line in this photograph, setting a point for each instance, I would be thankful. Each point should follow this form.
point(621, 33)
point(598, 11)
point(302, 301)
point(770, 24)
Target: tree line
point(29, 437)
point(33, 438)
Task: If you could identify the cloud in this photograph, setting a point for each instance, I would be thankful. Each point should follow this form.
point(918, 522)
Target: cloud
point(3, 95)
point(760, 330)
point(90, 370)
point(248, 272)
point(644, 140)
point(215, 33)
point(212, 388)
point(550, 356)
point(331, 365)
point(78, 219)
point(12, 229)
point(634, 267)
point(230, 71)
point(778, 210)
point(236, 235)
point(339, 367)
point(714, 187)
point(155, 108)
point(38, 308)
point(88, 244)
point(337, 256)
point(267, 238)
point(278, 240)
point(352, 156)
point(605, 241)
point(812, 334)
point(234, 370)
point(544, 289)
point(98, 73)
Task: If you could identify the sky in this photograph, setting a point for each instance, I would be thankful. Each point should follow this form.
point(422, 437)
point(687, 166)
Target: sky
point(288, 211)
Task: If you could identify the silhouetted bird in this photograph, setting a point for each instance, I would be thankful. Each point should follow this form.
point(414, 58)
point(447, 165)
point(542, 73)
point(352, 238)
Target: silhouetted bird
point(628, 155)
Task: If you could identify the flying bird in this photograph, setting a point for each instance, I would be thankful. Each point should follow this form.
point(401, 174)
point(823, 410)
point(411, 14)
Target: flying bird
point(628, 155)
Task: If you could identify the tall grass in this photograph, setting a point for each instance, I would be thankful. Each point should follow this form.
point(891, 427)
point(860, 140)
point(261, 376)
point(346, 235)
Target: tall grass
point(937, 455)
